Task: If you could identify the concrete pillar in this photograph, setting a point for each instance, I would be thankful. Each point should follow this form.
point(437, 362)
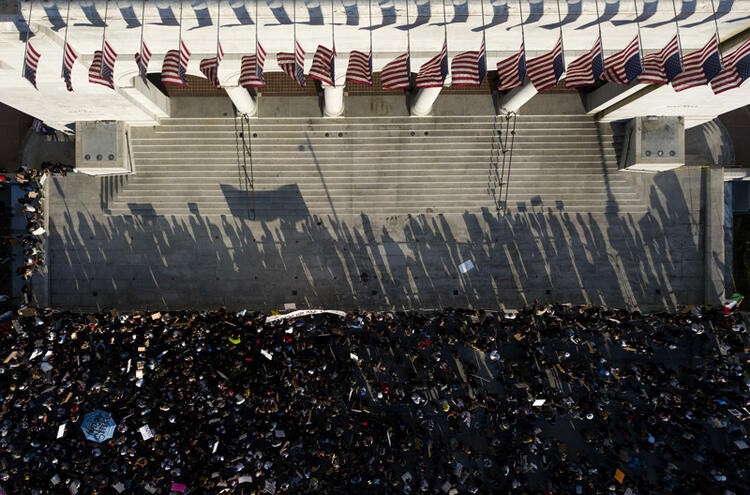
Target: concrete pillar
point(242, 100)
point(333, 101)
point(713, 183)
point(518, 97)
point(423, 101)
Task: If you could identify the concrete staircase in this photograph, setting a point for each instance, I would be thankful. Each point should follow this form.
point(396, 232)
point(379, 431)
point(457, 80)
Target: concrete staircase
point(388, 166)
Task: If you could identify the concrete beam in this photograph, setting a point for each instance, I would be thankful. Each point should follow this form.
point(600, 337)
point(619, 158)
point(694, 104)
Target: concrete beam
point(424, 100)
point(333, 101)
point(517, 97)
point(146, 97)
point(243, 102)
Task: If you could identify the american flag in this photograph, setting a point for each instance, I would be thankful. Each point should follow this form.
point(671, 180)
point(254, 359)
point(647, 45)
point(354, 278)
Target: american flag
point(210, 67)
point(30, 63)
point(663, 66)
point(103, 67)
point(396, 73)
point(736, 69)
point(360, 68)
point(293, 64)
point(625, 65)
point(433, 72)
point(700, 66)
point(323, 65)
point(469, 68)
point(174, 68)
point(251, 73)
point(512, 71)
point(69, 58)
point(545, 70)
point(141, 59)
point(586, 69)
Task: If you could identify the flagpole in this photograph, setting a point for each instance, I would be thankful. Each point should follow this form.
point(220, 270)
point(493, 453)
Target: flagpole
point(333, 27)
point(484, 38)
point(677, 28)
point(257, 21)
point(143, 22)
point(28, 35)
point(523, 34)
point(408, 31)
point(559, 22)
point(599, 26)
point(218, 29)
point(718, 37)
point(369, 9)
point(65, 41)
point(638, 27)
point(445, 30)
point(294, 24)
point(104, 31)
point(104, 34)
point(179, 38)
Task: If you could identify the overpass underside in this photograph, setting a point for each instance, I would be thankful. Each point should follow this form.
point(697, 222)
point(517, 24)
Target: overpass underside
point(380, 212)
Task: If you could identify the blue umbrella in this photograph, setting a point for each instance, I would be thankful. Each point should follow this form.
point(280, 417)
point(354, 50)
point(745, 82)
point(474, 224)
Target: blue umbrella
point(98, 426)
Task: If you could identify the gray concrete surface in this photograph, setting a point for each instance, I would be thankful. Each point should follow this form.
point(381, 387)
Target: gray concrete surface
point(617, 238)
point(652, 260)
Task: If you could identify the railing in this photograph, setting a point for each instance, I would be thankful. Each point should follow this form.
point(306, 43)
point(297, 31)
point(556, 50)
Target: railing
point(245, 179)
point(498, 180)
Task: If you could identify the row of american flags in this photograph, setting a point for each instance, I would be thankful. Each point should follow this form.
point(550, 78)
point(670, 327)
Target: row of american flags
point(668, 65)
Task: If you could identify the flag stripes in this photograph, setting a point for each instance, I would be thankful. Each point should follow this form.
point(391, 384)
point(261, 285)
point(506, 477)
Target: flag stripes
point(736, 69)
point(700, 66)
point(323, 65)
point(174, 68)
point(210, 67)
point(396, 73)
point(625, 65)
point(69, 58)
point(511, 71)
point(663, 66)
point(251, 71)
point(469, 68)
point(433, 72)
point(586, 69)
point(359, 70)
point(103, 66)
point(30, 63)
point(141, 59)
point(293, 64)
point(545, 70)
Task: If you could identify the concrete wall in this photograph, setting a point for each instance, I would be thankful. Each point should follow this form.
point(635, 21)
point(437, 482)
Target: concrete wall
point(55, 105)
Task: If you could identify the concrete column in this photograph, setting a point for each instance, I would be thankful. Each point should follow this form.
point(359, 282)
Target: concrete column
point(333, 97)
point(713, 182)
point(242, 100)
point(518, 97)
point(423, 101)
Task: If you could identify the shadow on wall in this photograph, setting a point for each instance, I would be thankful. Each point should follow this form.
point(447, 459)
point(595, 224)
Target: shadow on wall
point(651, 261)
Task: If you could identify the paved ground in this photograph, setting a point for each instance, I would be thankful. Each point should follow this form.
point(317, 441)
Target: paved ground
point(650, 261)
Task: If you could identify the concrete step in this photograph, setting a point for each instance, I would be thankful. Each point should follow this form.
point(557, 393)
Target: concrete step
point(369, 142)
point(371, 190)
point(260, 212)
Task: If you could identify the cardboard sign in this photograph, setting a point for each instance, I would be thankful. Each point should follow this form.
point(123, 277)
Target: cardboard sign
point(146, 432)
point(466, 266)
point(619, 476)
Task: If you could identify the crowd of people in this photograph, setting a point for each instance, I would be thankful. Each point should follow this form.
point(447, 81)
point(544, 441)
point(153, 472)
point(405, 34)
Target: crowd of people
point(547, 399)
point(30, 181)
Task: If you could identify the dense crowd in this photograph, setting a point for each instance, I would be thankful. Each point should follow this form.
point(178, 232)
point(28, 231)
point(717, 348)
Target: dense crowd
point(30, 181)
point(552, 399)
